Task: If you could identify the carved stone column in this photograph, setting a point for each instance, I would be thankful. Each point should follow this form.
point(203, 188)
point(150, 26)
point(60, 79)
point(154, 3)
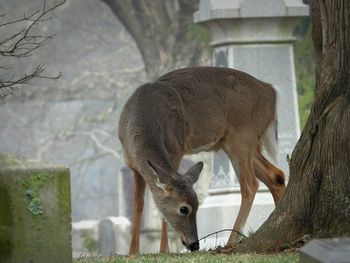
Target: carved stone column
point(254, 36)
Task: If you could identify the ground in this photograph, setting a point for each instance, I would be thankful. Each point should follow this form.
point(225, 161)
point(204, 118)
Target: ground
point(205, 257)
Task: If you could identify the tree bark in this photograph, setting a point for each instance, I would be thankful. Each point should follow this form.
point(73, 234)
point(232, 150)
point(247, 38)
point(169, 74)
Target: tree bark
point(317, 199)
point(163, 31)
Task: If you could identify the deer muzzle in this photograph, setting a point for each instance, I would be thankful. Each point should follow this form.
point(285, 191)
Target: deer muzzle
point(194, 246)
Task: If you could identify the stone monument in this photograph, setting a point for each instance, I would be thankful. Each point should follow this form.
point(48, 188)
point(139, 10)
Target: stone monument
point(255, 36)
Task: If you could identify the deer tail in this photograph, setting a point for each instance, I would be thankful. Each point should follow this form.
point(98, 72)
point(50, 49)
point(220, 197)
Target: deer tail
point(270, 142)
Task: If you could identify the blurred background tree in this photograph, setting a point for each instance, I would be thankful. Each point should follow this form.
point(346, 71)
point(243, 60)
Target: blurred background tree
point(164, 33)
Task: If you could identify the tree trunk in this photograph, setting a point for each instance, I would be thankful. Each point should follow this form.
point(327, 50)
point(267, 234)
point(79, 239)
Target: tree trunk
point(317, 199)
point(164, 33)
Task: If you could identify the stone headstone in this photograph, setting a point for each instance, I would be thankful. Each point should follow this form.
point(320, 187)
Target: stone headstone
point(35, 211)
point(125, 195)
point(114, 236)
point(326, 251)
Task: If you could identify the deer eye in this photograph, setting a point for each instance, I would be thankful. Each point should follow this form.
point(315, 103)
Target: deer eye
point(184, 210)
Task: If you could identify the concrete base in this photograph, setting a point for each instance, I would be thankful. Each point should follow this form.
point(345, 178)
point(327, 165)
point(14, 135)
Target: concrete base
point(219, 212)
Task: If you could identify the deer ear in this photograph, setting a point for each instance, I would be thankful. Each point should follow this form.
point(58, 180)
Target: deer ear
point(160, 175)
point(194, 172)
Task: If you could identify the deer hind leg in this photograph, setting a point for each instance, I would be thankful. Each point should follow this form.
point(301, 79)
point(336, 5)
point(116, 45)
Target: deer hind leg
point(270, 175)
point(243, 164)
point(139, 194)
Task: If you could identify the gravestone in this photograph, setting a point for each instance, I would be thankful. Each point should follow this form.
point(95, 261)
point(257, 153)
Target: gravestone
point(254, 36)
point(35, 211)
point(114, 236)
point(125, 195)
point(326, 251)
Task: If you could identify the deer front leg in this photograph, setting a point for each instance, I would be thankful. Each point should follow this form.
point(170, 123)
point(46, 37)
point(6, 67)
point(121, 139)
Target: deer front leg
point(164, 245)
point(139, 193)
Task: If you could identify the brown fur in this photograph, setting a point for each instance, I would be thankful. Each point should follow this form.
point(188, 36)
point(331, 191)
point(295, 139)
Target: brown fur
point(191, 110)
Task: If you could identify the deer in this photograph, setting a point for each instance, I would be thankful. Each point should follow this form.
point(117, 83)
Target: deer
point(191, 110)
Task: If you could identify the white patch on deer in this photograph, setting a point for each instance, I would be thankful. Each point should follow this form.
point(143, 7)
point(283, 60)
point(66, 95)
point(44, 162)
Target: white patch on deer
point(203, 148)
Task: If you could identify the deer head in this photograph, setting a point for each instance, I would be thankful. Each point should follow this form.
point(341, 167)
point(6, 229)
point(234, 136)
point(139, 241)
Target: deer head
point(177, 201)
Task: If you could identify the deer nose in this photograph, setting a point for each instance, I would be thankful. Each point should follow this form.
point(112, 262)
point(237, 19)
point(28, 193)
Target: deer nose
point(194, 246)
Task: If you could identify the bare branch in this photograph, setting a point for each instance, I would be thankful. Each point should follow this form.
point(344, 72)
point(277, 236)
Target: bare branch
point(24, 18)
point(8, 86)
point(22, 44)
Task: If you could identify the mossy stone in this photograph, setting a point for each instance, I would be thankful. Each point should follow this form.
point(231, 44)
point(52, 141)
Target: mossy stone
point(35, 218)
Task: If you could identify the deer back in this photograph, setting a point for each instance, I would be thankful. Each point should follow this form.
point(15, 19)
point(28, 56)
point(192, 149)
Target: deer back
point(191, 109)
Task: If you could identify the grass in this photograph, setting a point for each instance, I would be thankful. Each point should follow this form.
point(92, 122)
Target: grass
point(196, 257)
